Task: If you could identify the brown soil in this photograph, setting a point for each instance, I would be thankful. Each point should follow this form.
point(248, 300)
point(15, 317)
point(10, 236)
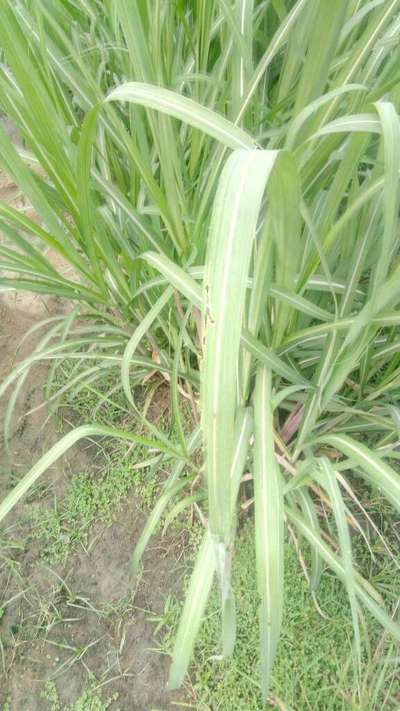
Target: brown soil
point(80, 622)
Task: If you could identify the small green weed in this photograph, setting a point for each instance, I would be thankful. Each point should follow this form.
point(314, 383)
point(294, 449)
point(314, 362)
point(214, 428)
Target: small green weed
point(90, 499)
point(89, 701)
point(95, 497)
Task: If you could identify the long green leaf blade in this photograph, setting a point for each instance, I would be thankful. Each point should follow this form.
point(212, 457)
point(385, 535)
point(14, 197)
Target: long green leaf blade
point(268, 526)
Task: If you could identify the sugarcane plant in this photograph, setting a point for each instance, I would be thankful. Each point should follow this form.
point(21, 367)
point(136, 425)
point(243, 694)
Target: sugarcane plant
point(220, 183)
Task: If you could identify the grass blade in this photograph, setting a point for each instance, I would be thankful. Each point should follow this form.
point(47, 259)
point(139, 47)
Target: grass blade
point(268, 526)
point(376, 471)
point(187, 110)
